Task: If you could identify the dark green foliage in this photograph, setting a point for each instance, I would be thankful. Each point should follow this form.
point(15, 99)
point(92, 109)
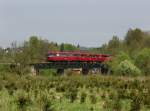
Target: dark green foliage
point(23, 102)
point(93, 98)
point(114, 45)
point(135, 36)
point(91, 109)
point(4, 68)
point(47, 104)
point(135, 105)
point(62, 47)
point(71, 93)
point(117, 105)
point(142, 60)
point(68, 47)
point(83, 97)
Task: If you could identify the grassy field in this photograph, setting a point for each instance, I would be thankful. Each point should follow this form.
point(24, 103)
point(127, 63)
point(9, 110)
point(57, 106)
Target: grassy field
point(74, 93)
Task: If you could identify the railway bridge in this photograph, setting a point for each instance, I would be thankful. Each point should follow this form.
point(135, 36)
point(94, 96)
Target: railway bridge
point(61, 66)
point(70, 60)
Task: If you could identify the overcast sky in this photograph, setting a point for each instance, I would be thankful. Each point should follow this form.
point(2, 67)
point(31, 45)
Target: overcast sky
point(87, 22)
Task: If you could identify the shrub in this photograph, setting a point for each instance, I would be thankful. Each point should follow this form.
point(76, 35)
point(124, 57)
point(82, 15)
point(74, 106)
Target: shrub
point(83, 97)
point(142, 60)
point(93, 98)
point(117, 105)
point(135, 105)
point(107, 105)
point(127, 68)
point(71, 93)
point(4, 68)
point(22, 100)
point(117, 60)
point(47, 105)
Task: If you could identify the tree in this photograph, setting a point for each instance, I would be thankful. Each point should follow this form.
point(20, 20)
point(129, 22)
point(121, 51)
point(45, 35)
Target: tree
point(142, 60)
point(53, 46)
point(147, 40)
point(38, 48)
point(33, 48)
point(114, 45)
point(68, 47)
point(1, 53)
point(134, 38)
point(78, 46)
point(62, 47)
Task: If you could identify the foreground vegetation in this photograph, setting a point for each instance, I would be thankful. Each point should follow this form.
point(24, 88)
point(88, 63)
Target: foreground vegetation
point(74, 93)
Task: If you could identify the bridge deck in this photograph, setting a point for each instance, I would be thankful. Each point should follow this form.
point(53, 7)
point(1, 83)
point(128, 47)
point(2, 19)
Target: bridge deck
point(65, 65)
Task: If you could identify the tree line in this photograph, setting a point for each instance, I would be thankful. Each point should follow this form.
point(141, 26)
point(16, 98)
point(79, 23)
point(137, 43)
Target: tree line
point(130, 55)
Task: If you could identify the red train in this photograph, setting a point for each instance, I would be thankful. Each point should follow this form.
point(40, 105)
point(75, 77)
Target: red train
point(77, 56)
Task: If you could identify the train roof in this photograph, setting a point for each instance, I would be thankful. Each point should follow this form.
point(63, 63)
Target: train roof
point(77, 52)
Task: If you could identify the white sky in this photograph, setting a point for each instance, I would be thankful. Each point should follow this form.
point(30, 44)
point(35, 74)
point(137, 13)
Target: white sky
point(87, 22)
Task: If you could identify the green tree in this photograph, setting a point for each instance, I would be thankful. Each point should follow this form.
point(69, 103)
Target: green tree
point(1, 53)
point(33, 48)
point(53, 46)
point(114, 45)
point(70, 47)
point(147, 40)
point(142, 60)
point(62, 47)
point(31, 51)
point(134, 39)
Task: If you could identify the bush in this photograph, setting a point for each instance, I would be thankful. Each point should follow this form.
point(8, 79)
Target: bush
point(83, 97)
point(4, 68)
point(71, 93)
point(142, 60)
point(117, 60)
point(93, 98)
point(22, 100)
point(47, 104)
point(127, 68)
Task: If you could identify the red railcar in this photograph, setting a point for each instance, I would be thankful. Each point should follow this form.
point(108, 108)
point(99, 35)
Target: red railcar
point(77, 56)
